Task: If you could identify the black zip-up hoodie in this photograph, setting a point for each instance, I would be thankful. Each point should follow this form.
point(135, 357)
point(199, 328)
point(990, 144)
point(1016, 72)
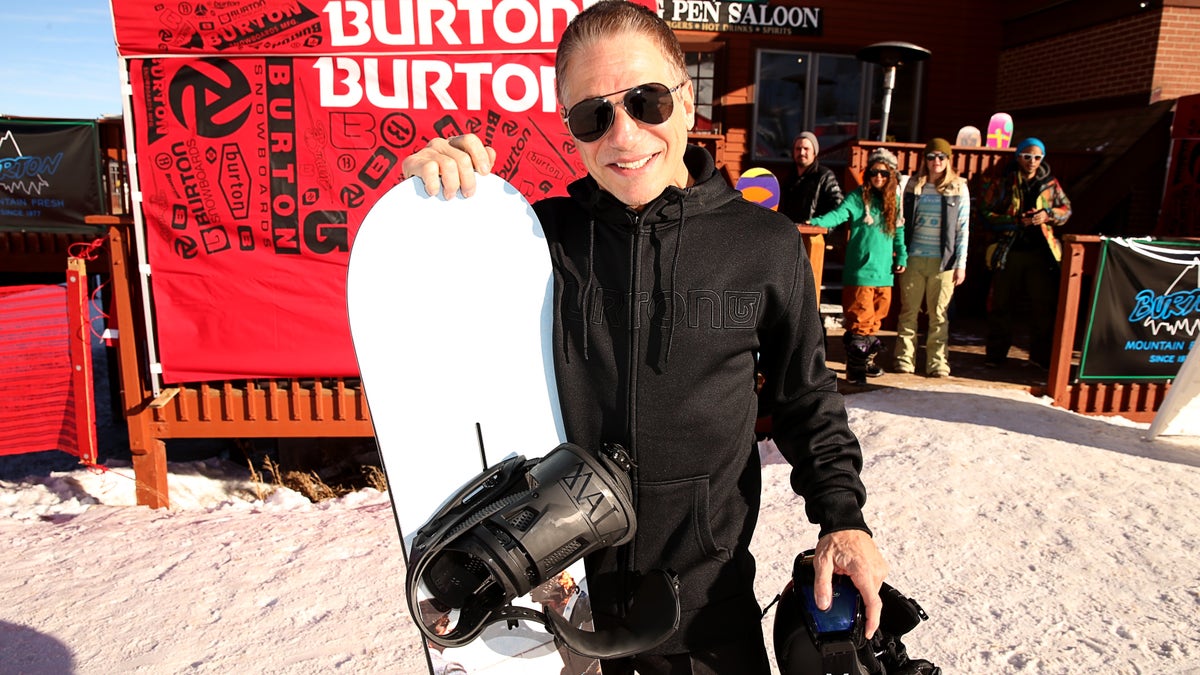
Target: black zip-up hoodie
point(679, 394)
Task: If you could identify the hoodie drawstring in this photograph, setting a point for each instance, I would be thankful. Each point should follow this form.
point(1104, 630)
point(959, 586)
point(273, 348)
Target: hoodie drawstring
point(587, 285)
point(585, 298)
point(671, 290)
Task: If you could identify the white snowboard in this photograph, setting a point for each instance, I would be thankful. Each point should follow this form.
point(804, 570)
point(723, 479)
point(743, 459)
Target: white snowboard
point(1179, 414)
point(451, 305)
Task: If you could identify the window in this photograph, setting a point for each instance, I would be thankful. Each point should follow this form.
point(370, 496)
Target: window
point(835, 96)
point(833, 113)
point(701, 67)
point(782, 81)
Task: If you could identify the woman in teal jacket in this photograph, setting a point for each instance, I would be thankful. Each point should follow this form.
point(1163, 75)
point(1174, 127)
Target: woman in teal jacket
point(875, 253)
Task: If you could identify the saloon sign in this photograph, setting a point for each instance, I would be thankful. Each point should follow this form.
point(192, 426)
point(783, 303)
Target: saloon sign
point(737, 17)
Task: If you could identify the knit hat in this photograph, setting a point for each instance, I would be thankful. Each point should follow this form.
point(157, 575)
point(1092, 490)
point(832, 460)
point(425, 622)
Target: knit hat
point(939, 145)
point(1031, 142)
point(885, 156)
point(812, 138)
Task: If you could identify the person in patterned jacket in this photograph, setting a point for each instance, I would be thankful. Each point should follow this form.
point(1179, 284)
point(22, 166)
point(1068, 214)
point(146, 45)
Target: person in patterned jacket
point(1022, 205)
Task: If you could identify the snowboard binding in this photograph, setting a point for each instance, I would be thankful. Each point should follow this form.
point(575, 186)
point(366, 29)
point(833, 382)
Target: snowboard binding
point(519, 524)
point(808, 640)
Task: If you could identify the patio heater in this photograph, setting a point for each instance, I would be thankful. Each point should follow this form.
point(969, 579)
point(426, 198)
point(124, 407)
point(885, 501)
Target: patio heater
point(890, 55)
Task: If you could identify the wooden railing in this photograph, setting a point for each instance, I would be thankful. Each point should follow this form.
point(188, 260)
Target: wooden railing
point(814, 245)
point(1138, 401)
point(291, 408)
point(336, 407)
point(970, 162)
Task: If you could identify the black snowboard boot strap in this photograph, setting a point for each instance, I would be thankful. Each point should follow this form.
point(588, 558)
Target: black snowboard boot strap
point(900, 615)
point(653, 617)
point(893, 658)
point(874, 345)
point(517, 525)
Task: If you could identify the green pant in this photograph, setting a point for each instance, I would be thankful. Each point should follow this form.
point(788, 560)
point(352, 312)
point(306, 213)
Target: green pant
point(924, 281)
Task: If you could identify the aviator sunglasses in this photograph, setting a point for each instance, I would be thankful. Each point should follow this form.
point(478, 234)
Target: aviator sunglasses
point(650, 103)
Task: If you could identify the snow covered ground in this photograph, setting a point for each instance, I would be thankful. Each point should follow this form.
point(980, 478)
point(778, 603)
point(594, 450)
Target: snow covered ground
point(1039, 541)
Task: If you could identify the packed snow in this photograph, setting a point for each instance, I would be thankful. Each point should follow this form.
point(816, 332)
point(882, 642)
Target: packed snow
point(1038, 541)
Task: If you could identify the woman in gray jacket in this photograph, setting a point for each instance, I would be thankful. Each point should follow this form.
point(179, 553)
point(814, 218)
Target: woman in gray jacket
point(936, 215)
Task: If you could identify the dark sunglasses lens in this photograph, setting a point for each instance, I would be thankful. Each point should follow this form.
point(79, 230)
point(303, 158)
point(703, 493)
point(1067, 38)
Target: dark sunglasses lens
point(650, 103)
point(935, 155)
point(878, 172)
point(1030, 157)
point(589, 120)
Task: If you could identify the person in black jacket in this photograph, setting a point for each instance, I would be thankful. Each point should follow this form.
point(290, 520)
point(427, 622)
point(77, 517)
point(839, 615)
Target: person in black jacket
point(670, 292)
point(815, 190)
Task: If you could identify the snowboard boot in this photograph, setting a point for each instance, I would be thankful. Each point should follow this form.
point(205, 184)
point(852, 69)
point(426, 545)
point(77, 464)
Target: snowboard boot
point(875, 346)
point(857, 355)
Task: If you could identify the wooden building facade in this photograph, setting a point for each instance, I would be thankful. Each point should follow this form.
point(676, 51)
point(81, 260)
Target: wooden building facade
point(1086, 76)
point(772, 70)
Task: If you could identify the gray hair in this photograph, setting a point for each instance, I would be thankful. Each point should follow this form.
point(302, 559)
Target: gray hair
point(607, 18)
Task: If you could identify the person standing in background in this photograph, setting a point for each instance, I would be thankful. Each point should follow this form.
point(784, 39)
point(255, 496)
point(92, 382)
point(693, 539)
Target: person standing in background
point(815, 190)
point(874, 254)
point(1022, 204)
point(937, 210)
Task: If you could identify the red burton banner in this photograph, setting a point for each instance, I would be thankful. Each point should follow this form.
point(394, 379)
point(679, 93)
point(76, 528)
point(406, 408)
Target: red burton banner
point(266, 129)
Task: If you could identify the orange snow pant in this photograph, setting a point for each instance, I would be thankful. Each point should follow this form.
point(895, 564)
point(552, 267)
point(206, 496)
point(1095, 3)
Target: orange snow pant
point(864, 307)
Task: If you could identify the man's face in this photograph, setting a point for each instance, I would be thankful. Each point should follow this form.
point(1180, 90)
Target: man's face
point(1030, 159)
point(803, 153)
point(633, 161)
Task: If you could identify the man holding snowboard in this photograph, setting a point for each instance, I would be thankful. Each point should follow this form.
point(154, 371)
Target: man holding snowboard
point(670, 291)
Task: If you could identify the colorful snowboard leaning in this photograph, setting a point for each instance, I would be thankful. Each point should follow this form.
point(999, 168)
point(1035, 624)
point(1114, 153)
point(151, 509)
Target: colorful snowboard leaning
point(1000, 131)
point(760, 186)
point(969, 137)
point(450, 309)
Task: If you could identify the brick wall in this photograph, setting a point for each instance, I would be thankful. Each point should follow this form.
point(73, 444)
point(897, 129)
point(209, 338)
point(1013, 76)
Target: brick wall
point(1105, 61)
point(1177, 66)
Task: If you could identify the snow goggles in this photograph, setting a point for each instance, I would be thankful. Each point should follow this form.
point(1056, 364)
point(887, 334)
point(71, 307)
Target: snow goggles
point(650, 103)
point(809, 640)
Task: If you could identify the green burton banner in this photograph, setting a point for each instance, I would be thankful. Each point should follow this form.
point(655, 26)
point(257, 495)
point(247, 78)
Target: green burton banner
point(1145, 311)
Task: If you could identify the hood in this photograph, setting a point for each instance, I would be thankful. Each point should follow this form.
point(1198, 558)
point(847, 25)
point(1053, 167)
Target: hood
point(1042, 173)
point(666, 212)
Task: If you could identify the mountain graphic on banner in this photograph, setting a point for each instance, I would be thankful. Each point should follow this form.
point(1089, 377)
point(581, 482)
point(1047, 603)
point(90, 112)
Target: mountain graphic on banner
point(10, 151)
point(1188, 327)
